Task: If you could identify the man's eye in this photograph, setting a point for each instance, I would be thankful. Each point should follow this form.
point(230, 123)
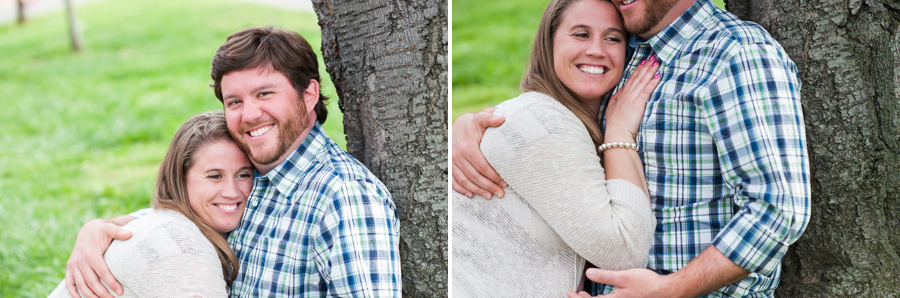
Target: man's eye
point(234, 102)
point(261, 94)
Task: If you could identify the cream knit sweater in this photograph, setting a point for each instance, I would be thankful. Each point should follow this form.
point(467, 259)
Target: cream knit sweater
point(558, 211)
point(167, 256)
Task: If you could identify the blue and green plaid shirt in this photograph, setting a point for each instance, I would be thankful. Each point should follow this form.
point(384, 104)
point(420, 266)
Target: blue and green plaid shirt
point(724, 147)
point(319, 224)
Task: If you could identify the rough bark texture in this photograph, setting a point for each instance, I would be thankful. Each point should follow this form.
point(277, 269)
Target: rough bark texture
point(849, 64)
point(388, 61)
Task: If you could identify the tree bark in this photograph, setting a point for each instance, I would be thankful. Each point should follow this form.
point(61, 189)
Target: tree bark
point(388, 61)
point(847, 55)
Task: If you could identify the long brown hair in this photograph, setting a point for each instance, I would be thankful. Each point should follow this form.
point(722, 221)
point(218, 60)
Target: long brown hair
point(171, 184)
point(540, 75)
point(285, 51)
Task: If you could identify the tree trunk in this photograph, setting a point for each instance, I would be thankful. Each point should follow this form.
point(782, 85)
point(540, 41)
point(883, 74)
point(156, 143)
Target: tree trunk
point(388, 61)
point(849, 64)
point(20, 11)
point(73, 27)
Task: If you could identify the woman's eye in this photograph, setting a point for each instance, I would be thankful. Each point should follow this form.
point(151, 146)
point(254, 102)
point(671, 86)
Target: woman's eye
point(214, 176)
point(581, 35)
point(614, 39)
point(244, 176)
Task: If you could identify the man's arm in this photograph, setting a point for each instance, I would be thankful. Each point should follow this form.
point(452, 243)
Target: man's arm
point(472, 174)
point(357, 248)
point(86, 266)
point(707, 272)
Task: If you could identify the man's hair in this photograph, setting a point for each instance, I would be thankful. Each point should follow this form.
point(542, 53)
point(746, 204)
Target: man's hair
point(171, 182)
point(283, 50)
point(540, 75)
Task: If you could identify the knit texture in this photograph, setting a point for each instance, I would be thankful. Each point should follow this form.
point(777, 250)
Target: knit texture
point(166, 256)
point(558, 210)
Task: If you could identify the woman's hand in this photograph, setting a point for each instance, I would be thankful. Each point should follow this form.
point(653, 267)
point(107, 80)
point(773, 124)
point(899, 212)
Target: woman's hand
point(626, 107)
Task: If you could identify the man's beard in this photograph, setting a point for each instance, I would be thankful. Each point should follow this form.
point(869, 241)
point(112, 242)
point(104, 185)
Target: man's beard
point(655, 12)
point(288, 132)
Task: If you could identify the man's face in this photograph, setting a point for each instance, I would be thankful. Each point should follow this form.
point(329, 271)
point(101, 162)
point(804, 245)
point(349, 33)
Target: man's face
point(642, 15)
point(264, 114)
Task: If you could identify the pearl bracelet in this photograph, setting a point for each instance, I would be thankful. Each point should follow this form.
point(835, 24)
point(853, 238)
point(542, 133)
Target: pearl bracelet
point(609, 145)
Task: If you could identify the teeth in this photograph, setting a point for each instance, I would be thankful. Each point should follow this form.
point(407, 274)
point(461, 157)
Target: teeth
point(626, 2)
point(593, 70)
point(260, 131)
point(227, 207)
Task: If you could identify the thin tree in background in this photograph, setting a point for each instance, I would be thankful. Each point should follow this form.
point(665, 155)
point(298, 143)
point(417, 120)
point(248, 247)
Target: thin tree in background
point(20, 11)
point(849, 61)
point(388, 62)
point(73, 27)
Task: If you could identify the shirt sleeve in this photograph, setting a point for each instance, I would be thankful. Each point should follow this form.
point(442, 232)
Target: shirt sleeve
point(357, 249)
point(756, 120)
point(546, 155)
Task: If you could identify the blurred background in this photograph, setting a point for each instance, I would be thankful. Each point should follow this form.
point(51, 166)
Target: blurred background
point(491, 44)
point(83, 132)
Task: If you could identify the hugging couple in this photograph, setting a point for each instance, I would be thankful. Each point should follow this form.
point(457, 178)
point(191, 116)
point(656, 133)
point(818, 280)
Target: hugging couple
point(252, 201)
point(660, 141)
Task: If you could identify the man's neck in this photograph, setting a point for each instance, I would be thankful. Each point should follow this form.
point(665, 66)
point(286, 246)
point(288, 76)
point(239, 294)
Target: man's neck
point(680, 7)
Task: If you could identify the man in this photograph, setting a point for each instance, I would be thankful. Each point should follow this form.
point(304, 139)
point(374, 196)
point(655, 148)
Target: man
point(724, 148)
point(317, 222)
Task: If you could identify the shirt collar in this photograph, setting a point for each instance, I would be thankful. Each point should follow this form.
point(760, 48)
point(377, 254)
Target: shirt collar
point(286, 176)
point(667, 43)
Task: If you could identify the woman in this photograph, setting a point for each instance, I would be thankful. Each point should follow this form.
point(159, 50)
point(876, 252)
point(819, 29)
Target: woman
point(562, 206)
point(179, 248)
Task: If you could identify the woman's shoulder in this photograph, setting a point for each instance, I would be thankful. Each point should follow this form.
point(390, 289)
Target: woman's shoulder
point(528, 102)
point(165, 227)
point(538, 112)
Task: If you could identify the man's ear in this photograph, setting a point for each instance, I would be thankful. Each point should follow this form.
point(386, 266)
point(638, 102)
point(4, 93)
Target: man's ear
point(311, 95)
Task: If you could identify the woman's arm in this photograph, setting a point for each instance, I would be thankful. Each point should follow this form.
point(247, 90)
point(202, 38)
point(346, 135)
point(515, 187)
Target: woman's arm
point(546, 155)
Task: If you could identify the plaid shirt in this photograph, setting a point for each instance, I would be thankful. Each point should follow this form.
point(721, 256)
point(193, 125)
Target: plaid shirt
point(319, 224)
point(724, 147)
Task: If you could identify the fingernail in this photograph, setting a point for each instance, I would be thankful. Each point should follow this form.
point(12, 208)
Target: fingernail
point(643, 61)
point(504, 184)
point(656, 76)
point(498, 194)
point(591, 272)
point(486, 195)
point(654, 62)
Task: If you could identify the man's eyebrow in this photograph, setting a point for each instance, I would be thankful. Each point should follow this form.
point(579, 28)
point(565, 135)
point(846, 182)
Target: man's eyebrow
point(255, 90)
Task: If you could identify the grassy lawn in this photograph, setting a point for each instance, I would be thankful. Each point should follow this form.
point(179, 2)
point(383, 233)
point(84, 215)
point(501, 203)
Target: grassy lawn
point(491, 44)
point(83, 134)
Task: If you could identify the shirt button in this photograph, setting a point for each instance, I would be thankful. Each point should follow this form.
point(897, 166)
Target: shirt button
point(255, 202)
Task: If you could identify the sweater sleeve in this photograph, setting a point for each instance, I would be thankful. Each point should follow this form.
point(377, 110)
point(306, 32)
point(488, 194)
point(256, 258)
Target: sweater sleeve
point(172, 259)
point(546, 155)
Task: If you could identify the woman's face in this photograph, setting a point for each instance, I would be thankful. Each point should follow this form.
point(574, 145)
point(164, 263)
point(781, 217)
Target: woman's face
point(589, 49)
point(218, 184)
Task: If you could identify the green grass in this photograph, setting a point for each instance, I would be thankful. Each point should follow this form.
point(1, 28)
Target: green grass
point(491, 44)
point(83, 133)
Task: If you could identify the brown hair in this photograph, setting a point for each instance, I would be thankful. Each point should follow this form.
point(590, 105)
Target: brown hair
point(171, 184)
point(540, 75)
point(285, 51)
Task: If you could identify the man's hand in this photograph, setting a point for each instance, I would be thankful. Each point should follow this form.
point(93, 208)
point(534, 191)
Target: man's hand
point(704, 274)
point(628, 283)
point(86, 266)
point(472, 174)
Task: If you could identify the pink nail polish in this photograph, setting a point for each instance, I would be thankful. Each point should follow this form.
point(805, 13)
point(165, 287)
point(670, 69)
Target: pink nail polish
point(654, 62)
point(656, 77)
point(642, 61)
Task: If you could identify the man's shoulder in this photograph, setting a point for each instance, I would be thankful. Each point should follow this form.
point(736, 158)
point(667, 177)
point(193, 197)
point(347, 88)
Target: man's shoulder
point(345, 170)
point(727, 32)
